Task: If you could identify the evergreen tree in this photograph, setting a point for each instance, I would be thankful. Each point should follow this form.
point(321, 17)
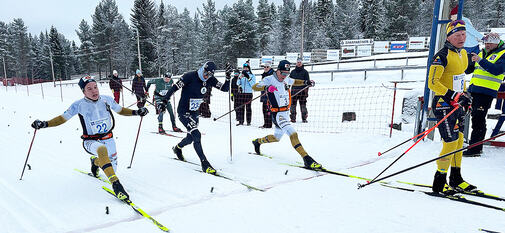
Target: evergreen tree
point(373, 21)
point(209, 18)
point(287, 18)
point(20, 47)
point(143, 18)
point(348, 19)
point(56, 50)
point(398, 13)
point(265, 20)
point(4, 45)
point(86, 47)
point(162, 51)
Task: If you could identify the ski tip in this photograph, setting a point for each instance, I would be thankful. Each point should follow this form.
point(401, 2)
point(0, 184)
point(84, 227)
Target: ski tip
point(379, 154)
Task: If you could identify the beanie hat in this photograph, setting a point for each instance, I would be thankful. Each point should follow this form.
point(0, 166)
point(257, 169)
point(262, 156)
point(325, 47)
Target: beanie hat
point(114, 72)
point(455, 26)
point(138, 72)
point(284, 65)
point(84, 81)
point(492, 38)
point(210, 67)
point(454, 10)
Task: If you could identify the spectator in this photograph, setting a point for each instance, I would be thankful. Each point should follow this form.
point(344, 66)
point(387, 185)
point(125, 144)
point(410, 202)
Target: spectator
point(140, 89)
point(234, 91)
point(500, 104)
point(116, 85)
point(487, 78)
point(245, 83)
point(267, 71)
point(299, 73)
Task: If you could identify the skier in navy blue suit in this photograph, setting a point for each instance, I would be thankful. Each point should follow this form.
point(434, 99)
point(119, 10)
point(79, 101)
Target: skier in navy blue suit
point(194, 85)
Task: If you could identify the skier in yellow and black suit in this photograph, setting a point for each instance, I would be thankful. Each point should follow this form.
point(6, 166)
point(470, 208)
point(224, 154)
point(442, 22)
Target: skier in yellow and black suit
point(447, 80)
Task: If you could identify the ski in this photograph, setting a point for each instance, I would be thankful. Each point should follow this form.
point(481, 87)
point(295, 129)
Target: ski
point(264, 155)
point(328, 171)
point(89, 174)
point(138, 210)
point(250, 187)
point(456, 197)
point(167, 134)
point(477, 193)
point(488, 231)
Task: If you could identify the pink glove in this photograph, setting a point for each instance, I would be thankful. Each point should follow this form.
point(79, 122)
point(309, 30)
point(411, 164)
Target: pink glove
point(271, 89)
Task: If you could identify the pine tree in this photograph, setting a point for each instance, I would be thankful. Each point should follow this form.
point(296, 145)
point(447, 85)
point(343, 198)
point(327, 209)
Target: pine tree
point(348, 19)
point(287, 15)
point(162, 52)
point(264, 26)
point(209, 18)
point(398, 13)
point(56, 50)
point(4, 46)
point(86, 48)
point(20, 47)
point(373, 21)
point(143, 18)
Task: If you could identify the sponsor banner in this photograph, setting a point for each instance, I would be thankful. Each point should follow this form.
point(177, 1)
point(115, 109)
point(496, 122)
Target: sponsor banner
point(398, 46)
point(292, 57)
point(253, 62)
point(307, 56)
point(380, 46)
point(277, 59)
point(348, 51)
point(333, 55)
point(266, 59)
point(416, 42)
point(355, 42)
point(364, 50)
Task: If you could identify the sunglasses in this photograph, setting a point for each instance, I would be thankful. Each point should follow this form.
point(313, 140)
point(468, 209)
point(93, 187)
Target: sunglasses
point(284, 74)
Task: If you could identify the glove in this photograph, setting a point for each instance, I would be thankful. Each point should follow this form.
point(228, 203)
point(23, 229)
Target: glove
point(464, 99)
point(38, 124)
point(228, 71)
point(309, 83)
point(141, 112)
point(271, 89)
point(161, 107)
point(245, 74)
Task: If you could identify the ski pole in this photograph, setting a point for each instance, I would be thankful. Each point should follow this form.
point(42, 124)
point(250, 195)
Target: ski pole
point(217, 118)
point(431, 160)
point(28, 155)
point(135, 146)
point(229, 109)
point(412, 138)
point(142, 98)
point(418, 140)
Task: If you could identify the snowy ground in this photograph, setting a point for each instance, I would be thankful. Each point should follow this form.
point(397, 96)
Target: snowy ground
point(54, 198)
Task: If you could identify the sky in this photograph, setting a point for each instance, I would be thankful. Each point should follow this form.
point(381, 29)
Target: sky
point(66, 15)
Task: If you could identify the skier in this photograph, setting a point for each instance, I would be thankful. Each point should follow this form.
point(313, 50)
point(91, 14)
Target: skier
point(245, 83)
point(162, 104)
point(116, 85)
point(97, 123)
point(279, 96)
point(140, 89)
point(447, 80)
point(194, 85)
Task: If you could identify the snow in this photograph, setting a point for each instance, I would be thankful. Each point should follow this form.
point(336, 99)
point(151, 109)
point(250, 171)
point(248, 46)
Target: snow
point(52, 197)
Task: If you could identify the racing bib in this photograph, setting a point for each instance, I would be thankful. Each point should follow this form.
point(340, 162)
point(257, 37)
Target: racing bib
point(283, 99)
point(163, 92)
point(100, 126)
point(194, 104)
point(458, 83)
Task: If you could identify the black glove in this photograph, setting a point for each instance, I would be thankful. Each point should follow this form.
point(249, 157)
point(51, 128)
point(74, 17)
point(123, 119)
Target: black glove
point(464, 99)
point(161, 106)
point(38, 124)
point(245, 73)
point(141, 112)
point(309, 83)
point(228, 71)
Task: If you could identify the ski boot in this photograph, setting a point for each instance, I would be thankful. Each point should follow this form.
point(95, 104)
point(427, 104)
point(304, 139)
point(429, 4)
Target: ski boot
point(207, 168)
point(178, 152)
point(256, 146)
point(94, 168)
point(161, 130)
point(310, 163)
point(457, 183)
point(439, 182)
point(119, 191)
point(175, 129)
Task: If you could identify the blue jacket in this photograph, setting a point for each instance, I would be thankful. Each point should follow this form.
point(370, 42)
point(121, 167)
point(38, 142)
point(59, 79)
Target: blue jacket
point(247, 84)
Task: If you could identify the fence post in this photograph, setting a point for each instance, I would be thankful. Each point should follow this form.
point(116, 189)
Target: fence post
point(365, 75)
point(402, 74)
point(407, 61)
point(374, 63)
point(332, 76)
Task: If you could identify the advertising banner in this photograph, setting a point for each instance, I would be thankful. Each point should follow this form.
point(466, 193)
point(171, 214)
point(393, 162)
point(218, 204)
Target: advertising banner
point(398, 46)
point(266, 59)
point(277, 59)
point(333, 55)
point(291, 57)
point(307, 56)
point(355, 42)
point(364, 50)
point(348, 51)
point(380, 46)
point(416, 42)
